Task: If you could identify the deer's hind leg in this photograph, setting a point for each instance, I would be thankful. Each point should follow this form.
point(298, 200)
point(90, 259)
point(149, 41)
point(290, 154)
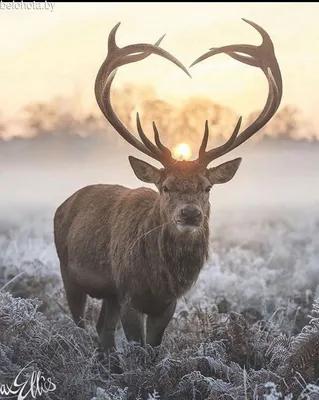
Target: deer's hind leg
point(75, 296)
point(107, 322)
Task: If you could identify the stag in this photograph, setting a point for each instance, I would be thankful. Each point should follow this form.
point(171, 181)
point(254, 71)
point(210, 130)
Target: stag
point(139, 250)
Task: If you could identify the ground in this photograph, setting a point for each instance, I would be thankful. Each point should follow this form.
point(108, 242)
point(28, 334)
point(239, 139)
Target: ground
point(248, 329)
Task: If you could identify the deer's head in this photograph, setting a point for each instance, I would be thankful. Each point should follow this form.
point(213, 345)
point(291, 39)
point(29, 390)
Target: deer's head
point(184, 185)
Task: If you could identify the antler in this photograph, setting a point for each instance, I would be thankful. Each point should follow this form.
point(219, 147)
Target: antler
point(115, 58)
point(262, 56)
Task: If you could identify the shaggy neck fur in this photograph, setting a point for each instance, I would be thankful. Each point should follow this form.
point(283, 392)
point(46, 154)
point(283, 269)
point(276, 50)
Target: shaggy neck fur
point(179, 257)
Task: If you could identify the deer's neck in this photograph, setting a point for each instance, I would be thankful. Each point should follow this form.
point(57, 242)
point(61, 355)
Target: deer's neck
point(178, 256)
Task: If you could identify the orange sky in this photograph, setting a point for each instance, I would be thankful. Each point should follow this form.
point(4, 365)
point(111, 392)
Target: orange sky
point(46, 53)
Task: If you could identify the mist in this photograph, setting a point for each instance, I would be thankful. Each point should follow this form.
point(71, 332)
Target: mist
point(281, 176)
point(53, 149)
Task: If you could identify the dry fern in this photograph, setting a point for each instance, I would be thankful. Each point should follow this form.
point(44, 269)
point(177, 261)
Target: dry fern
point(229, 359)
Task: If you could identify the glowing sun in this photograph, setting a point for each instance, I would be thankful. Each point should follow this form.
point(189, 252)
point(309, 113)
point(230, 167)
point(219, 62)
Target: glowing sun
point(182, 151)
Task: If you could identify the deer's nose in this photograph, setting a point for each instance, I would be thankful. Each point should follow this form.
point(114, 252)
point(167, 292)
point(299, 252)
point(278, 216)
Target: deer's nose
point(191, 215)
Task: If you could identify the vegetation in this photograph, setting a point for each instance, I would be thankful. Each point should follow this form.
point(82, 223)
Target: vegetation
point(241, 346)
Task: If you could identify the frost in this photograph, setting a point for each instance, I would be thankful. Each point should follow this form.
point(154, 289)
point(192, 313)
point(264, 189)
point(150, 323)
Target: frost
point(248, 329)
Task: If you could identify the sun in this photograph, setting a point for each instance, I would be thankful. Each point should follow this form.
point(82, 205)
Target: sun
point(182, 151)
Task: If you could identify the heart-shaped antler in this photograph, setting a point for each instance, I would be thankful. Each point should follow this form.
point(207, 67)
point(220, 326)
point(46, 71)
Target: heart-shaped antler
point(262, 56)
point(115, 58)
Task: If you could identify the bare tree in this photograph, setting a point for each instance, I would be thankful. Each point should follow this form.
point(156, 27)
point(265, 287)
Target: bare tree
point(288, 124)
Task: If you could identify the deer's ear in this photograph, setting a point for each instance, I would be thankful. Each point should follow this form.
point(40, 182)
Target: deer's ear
point(224, 172)
point(144, 171)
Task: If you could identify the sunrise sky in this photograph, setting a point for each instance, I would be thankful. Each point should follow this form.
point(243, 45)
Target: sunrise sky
point(47, 53)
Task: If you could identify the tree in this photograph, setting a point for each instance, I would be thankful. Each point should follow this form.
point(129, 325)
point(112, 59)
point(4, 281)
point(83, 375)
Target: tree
point(220, 120)
point(287, 124)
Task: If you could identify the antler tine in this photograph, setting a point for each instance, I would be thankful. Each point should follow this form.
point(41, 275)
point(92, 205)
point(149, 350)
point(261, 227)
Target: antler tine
point(145, 139)
point(244, 48)
point(113, 47)
point(262, 56)
point(165, 150)
point(202, 149)
point(204, 157)
point(246, 60)
point(138, 57)
point(117, 57)
point(111, 43)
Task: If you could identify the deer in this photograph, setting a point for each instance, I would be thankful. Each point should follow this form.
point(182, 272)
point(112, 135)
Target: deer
point(139, 250)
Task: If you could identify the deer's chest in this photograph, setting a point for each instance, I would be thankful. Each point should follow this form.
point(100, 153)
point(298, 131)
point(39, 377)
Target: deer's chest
point(150, 303)
point(157, 292)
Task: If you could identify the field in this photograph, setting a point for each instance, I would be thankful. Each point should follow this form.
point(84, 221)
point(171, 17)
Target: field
point(245, 329)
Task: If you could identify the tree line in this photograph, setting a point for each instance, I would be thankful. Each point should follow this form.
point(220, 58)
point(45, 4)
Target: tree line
point(61, 118)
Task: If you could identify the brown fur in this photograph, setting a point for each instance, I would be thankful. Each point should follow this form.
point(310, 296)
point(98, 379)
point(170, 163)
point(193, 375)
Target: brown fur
point(123, 246)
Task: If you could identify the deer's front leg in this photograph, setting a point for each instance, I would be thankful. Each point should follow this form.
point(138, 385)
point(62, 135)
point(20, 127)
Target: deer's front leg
point(156, 325)
point(133, 323)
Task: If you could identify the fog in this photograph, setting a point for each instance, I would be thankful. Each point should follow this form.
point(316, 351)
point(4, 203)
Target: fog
point(278, 175)
point(55, 148)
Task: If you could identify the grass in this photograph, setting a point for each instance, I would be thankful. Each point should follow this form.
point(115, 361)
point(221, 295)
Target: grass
point(248, 329)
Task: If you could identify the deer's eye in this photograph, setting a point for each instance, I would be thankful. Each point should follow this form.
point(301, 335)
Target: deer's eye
point(207, 190)
point(165, 189)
